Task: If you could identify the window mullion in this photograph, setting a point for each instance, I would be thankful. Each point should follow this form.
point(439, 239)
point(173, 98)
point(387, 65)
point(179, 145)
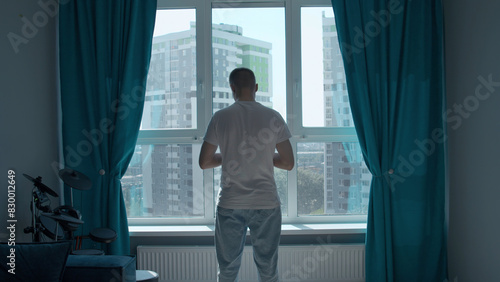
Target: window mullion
point(205, 94)
point(294, 110)
point(205, 60)
point(292, 187)
point(293, 97)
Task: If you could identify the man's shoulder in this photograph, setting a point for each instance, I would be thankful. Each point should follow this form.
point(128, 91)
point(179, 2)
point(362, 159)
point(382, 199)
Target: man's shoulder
point(225, 111)
point(272, 112)
point(236, 108)
point(263, 108)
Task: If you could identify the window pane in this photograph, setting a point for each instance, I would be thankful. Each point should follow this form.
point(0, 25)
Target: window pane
point(242, 37)
point(171, 87)
point(164, 181)
point(324, 92)
point(253, 38)
point(332, 179)
point(281, 178)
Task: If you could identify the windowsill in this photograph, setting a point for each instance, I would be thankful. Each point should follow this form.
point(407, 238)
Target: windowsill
point(208, 230)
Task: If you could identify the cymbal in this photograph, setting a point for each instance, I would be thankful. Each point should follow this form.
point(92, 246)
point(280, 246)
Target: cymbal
point(75, 179)
point(38, 183)
point(62, 217)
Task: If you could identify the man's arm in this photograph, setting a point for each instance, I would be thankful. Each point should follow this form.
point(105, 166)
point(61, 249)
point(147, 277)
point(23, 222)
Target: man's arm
point(208, 157)
point(284, 158)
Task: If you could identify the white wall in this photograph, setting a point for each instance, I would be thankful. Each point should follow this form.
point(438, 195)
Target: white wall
point(473, 51)
point(28, 109)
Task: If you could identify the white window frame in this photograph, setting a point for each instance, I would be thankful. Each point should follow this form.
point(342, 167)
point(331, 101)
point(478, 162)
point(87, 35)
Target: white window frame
point(300, 134)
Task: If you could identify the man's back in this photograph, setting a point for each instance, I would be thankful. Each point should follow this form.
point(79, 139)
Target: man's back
point(247, 134)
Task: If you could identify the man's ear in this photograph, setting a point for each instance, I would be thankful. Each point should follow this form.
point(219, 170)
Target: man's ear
point(256, 87)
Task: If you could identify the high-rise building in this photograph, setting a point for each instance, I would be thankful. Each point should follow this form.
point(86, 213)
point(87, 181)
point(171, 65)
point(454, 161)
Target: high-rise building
point(164, 179)
point(347, 180)
point(164, 176)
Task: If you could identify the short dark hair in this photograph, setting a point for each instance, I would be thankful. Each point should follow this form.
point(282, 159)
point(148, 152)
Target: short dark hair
point(242, 78)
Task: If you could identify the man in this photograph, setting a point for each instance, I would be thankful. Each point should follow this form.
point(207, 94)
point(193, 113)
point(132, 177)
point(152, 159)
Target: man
point(248, 134)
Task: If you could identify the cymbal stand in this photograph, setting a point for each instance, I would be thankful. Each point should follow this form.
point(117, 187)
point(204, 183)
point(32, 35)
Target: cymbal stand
point(38, 198)
point(36, 227)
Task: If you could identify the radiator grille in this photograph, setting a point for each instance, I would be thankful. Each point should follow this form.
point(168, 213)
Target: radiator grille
point(296, 263)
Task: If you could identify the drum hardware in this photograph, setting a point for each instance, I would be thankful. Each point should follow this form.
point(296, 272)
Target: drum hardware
point(54, 224)
point(75, 179)
point(42, 202)
point(39, 202)
point(38, 183)
point(72, 216)
point(51, 228)
point(100, 235)
point(63, 220)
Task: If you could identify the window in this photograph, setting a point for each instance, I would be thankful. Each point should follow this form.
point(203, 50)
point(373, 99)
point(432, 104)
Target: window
point(196, 44)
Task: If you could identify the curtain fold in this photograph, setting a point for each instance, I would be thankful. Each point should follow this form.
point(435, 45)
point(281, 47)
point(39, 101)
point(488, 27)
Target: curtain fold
point(393, 59)
point(105, 49)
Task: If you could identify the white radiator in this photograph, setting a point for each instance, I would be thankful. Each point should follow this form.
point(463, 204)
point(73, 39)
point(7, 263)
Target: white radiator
point(311, 263)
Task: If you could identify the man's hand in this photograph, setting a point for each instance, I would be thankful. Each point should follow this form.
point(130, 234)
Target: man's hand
point(284, 158)
point(208, 157)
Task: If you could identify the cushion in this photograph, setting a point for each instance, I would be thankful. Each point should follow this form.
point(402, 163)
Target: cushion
point(87, 268)
point(44, 261)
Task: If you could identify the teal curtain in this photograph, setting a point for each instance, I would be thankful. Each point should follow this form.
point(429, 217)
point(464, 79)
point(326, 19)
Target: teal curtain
point(105, 49)
point(393, 58)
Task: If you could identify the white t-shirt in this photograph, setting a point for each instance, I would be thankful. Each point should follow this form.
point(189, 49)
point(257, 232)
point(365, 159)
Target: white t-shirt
point(247, 133)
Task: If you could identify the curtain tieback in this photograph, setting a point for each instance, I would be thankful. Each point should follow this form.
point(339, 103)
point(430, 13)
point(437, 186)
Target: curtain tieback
point(387, 177)
point(113, 173)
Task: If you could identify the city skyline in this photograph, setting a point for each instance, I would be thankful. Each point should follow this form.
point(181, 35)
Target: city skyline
point(253, 26)
point(164, 176)
point(168, 181)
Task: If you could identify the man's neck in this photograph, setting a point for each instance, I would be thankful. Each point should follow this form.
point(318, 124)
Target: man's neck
point(248, 97)
point(246, 100)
